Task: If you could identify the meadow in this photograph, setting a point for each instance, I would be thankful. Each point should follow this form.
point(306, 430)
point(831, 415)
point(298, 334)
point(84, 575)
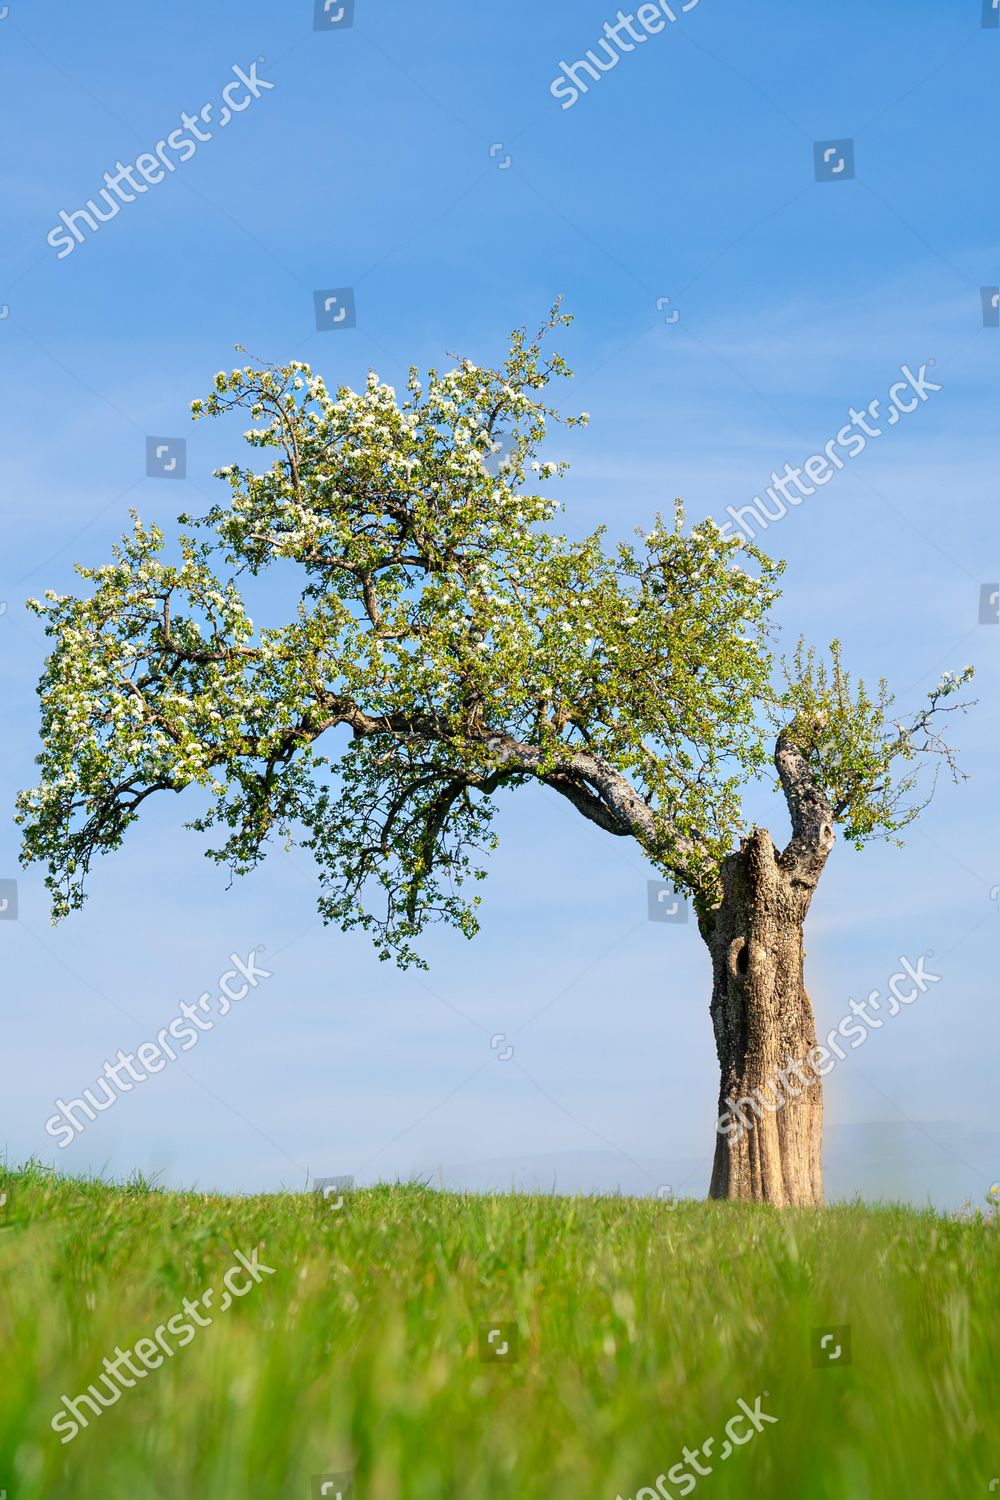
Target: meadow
point(402, 1342)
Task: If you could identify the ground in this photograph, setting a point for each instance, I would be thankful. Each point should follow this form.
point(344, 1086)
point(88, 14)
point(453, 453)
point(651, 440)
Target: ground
point(357, 1341)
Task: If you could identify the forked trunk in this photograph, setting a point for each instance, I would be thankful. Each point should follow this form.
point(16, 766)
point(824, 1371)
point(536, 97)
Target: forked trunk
point(770, 1117)
point(769, 1131)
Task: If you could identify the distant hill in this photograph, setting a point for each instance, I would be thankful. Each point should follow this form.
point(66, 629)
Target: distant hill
point(936, 1161)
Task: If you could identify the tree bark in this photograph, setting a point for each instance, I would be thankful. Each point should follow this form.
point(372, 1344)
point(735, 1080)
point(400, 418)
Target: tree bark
point(770, 1116)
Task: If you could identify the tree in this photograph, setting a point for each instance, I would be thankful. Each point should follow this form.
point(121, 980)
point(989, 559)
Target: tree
point(447, 645)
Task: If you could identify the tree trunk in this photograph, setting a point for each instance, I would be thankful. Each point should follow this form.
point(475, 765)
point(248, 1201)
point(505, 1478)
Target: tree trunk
point(769, 1130)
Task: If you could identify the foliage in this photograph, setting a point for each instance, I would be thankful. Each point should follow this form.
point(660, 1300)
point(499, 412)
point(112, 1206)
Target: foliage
point(445, 643)
point(852, 741)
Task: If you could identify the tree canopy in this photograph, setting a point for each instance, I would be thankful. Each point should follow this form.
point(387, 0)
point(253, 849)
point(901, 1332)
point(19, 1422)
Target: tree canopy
point(447, 643)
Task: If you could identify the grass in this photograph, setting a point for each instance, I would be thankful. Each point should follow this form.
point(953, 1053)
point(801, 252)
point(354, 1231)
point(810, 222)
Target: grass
point(640, 1326)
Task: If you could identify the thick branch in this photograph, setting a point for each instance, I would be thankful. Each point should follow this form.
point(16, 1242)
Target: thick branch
point(574, 789)
point(812, 816)
point(617, 806)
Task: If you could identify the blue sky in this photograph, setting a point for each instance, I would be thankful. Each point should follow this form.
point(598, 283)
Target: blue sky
point(418, 157)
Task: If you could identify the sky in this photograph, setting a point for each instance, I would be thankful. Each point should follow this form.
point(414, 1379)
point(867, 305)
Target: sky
point(760, 217)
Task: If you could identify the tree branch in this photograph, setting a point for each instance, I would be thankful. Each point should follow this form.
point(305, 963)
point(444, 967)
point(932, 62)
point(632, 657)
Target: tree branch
point(806, 852)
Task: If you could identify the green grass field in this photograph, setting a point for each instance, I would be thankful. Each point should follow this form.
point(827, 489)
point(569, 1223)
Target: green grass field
point(639, 1328)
